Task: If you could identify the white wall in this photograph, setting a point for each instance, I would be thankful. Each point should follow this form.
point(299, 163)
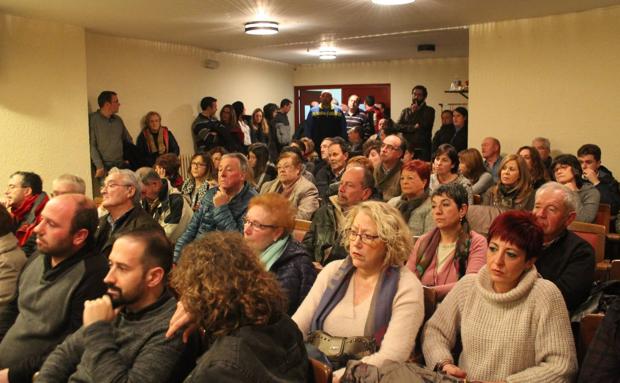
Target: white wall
point(43, 111)
point(553, 76)
point(171, 79)
point(402, 75)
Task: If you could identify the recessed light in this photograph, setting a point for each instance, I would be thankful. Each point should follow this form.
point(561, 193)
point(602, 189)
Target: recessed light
point(392, 2)
point(261, 28)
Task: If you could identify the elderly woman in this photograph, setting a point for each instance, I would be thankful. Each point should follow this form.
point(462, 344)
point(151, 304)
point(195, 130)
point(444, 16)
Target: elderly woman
point(472, 168)
point(567, 171)
point(538, 172)
point(444, 255)
point(302, 193)
point(225, 289)
point(369, 298)
point(414, 203)
point(155, 140)
point(445, 171)
point(267, 230)
point(262, 169)
point(513, 324)
point(201, 177)
point(514, 189)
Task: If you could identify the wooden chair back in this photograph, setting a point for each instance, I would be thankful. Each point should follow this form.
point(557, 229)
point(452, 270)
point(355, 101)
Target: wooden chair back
point(301, 228)
point(603, 216)
point(430, 302)
point(322, 372)
point(477, 199)
point(592, 233)
point(614, 271)
point(587, 328)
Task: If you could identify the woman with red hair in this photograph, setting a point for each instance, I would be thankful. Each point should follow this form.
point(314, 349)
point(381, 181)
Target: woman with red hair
point(414, 202)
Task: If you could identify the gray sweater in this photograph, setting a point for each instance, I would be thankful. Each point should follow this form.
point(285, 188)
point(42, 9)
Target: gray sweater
point(132, 348)
point(106, 139)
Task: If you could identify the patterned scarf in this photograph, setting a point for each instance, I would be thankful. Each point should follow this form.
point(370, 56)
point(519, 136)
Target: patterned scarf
point(160, 146)
point(428, 250)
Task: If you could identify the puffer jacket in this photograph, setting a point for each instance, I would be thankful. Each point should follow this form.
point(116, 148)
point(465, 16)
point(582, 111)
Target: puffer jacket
point(295, 273)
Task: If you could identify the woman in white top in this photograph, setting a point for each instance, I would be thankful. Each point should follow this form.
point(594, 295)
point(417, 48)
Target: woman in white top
point(370, 293)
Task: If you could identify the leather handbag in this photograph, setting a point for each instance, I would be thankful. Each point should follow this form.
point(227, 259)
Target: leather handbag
point(340, 349)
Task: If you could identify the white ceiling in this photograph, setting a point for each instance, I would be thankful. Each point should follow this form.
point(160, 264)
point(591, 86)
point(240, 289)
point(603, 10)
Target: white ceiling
point(358, 29)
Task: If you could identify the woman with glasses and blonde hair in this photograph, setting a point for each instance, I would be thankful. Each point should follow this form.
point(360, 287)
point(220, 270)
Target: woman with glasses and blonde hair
point(155, 140)
point(514, 189)
point(201, 177)
point(369, 301)
point(267, 229)
point(302, 193)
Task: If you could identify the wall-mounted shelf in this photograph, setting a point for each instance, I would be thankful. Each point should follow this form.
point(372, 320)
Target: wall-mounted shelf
point(462, 92)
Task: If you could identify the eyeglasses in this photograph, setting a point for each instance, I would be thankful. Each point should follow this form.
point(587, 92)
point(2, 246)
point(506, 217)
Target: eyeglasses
point(389, 147)
point(112, 185)
point(366, 238)
point(257, 225)
point(284, 167)
point(198, 164)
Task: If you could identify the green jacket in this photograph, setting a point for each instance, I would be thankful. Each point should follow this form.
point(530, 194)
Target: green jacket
point(323, 240)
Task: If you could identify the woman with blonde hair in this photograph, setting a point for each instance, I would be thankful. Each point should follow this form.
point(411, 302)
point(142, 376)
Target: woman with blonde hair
point(514, 189)
point(155, 140)
point(267, 229)
point(226, 291)
point(369, 299)
point(472, 167)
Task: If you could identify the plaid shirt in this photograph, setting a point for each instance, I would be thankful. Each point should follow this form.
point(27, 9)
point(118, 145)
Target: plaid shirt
point(602, 362)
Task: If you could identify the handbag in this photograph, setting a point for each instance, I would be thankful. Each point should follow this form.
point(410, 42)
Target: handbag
point(340, 349)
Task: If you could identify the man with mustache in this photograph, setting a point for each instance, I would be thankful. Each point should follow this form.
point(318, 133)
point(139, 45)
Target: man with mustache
point(122, 337)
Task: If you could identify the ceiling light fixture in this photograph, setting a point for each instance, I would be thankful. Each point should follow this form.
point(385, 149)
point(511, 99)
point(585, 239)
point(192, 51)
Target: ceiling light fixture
point(327, 54)
point(261, 28)
point(392, 2)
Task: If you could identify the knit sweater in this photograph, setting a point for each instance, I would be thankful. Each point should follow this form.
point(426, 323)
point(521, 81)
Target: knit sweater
point(346, 319)
point(421, 219)
point(12, 260)
point(523, 335)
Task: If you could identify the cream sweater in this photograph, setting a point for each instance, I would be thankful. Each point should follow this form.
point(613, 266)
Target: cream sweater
point(523, 335)
point(349, 320)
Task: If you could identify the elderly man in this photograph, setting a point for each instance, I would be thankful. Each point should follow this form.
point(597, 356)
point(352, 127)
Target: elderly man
point(543, 146)
point(25, 199)
point(323, 240)
point(566, 259)
point(387, 176)
point(68, 184)
point(222, 208)
point(325, 120)
point(122, 335)
point(63, 273)
point(121, 198)
point(164, 203)
point(416, 123)
point(491, 149)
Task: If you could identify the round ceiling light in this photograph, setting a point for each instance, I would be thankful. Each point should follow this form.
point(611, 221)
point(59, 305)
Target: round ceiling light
point(327, 54)
point(261, 28)
point(392, 2)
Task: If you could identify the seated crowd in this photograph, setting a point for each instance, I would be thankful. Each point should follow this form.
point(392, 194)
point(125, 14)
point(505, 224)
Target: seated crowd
point(205, 276)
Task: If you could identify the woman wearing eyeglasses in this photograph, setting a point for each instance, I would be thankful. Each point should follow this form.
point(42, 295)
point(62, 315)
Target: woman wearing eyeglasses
point(445, 254)
point(368, 302)
point(201, 177)
point(267, 229)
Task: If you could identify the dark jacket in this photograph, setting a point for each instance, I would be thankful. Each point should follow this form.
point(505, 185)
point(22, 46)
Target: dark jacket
point(322, 123)
point(442, 136)
point(323, 179)
point(255, 354)
point(135, 218)
point(609, 189)
point(569, 262)
point(147, 158)
point(418, 128)
point(295, 273)
point(323, 240)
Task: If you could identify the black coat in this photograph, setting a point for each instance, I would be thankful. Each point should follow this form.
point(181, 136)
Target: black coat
point(296, 274)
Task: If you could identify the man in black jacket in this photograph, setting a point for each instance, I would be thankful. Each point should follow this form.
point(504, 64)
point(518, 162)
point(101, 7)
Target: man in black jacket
point(590, 159)
point(58, 278)
point(416, 123)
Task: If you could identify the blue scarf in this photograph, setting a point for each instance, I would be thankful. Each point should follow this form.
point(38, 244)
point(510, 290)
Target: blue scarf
point(380, 311)
point(271, 254)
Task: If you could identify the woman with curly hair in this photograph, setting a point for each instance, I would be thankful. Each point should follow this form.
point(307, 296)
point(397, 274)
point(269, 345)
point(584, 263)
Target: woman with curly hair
point(369, 297)
point(155, 140)
point(444, 255)
point(226, 291)
point(514, 189)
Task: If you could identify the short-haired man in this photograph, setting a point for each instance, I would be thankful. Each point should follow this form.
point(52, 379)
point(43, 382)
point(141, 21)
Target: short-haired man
point(491, 149)
point(356, 118)
point(566, 259)
point(164, 203)
point(446, 132)
point(283, 133)
point(543, 146)
point(387, 175)
point(121, 193)
point(323, 158)
point(222, 208)
point(416, 123)
point(338, 154)
point(323, 240)
point(68, 184)
point(207, 130)
point(325, 120)
point(108, 134)
point(123, 332)
point(25, 199)
point(598, 175)
point(58, 278)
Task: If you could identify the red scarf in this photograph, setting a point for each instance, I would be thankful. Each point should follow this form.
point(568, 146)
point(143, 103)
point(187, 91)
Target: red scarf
point(25, 230)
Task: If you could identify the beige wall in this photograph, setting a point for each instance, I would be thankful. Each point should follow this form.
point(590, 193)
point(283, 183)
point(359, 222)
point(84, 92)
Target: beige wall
point(171, 80)
point(402, 75)
point(43, 112)
point(553, 76)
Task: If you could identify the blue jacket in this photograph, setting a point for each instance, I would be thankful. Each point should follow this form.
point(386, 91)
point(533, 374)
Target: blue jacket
point(322, 123)
point(296, 274)
point(227, 217)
